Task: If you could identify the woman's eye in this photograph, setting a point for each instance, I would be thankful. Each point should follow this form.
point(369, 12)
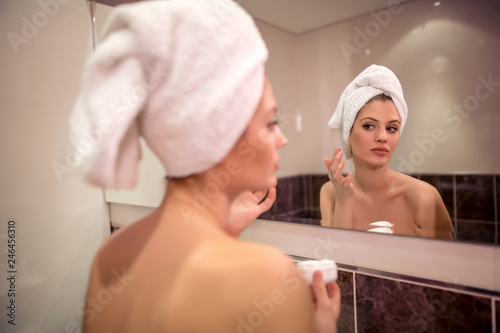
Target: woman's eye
point(367, 126)
point(392, 129)
point(272, 125)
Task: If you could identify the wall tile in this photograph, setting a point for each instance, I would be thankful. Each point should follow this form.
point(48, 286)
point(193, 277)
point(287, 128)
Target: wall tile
point(284, 201)
point(298, 191)
point(475, 199)
point(444, 185)
point(317, 182)
point(385, 305)
point(497, 314)
point(497, 180)
point(476, 231)
point(346, 319)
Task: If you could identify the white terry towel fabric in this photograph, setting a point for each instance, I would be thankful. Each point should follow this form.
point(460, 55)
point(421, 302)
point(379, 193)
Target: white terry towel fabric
point(373, 81)
point(187, 75)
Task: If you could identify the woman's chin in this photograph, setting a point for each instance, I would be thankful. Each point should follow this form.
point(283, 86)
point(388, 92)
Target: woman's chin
point(264, 186)
point(273, 182)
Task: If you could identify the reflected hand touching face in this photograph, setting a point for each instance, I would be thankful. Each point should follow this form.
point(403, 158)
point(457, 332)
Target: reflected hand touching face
point(343, 185)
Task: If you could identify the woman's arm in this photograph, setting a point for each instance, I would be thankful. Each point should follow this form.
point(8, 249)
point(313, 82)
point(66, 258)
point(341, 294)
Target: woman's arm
point(327, 204)
point(335, 213)
point(432, 216)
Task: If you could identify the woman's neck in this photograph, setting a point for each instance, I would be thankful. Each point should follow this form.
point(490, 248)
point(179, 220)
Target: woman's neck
point(197, 201)
point(372, 180)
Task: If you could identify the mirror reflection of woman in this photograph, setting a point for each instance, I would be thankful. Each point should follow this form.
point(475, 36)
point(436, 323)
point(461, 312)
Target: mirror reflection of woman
point(374, 197)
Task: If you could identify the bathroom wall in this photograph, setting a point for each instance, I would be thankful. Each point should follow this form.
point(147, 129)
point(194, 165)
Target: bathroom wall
point(59, 220)
point(443, 56)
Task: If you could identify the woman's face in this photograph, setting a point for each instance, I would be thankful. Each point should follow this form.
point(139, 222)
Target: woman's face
point(254, 160)
point(375, 133)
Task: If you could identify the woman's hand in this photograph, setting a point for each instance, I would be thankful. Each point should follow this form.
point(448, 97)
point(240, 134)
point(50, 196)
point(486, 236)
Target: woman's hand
point(246, 208)
point(327, 304)
point(344, 188)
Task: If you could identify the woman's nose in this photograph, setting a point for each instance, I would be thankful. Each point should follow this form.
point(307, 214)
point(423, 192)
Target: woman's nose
point(280, 138)
point(381, 136)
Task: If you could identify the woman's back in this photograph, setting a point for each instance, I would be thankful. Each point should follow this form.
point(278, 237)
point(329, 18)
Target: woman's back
point(151, 275)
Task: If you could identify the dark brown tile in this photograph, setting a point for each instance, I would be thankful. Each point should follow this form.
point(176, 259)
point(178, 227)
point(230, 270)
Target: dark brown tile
point(497, 180)
point(317, 182)
point(346, 319)
point(475, 200)
point(284, 200)
point(266, 215)
point(444, 185)
point(298, 192)
point(315, 214)
point(476, 231)
point(497, 314)
point(385, 305)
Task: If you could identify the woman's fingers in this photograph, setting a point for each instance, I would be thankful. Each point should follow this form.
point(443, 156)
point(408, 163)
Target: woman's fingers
point(268, 201)
point(327, 164)
point(334, 298)
point(327, 304)
point(319, 288)
point(335, 168)
point(348, 180)
point(338, 171)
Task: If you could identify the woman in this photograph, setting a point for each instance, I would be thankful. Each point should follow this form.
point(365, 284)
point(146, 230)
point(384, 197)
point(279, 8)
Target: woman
point(372, 114)
point(208, 113)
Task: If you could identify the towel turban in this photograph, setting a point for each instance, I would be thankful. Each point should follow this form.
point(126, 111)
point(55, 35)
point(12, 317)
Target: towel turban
point(187, 75)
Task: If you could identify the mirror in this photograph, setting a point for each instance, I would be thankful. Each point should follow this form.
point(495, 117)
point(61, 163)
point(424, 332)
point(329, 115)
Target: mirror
point(445, 55)
point(443, 52)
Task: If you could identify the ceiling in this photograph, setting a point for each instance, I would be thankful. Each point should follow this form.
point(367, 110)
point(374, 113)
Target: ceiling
point(298, 16)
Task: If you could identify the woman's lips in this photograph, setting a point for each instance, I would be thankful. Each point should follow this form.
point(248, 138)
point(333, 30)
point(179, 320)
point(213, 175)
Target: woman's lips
point(380, 151)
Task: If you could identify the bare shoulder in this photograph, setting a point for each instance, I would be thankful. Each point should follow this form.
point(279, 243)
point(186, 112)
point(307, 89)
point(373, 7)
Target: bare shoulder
point(328, 190)
point(418, 192)
point(236, 264)
point(238, 285)
point(327, 198)
point(118, 251)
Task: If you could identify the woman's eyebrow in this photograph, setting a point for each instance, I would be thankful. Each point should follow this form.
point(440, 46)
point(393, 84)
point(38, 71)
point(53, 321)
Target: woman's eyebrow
point(369, 118)
point(376, 120)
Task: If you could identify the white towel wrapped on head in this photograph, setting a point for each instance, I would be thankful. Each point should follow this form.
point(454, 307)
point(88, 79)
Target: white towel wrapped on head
point(187, 75)
point(373, 81)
